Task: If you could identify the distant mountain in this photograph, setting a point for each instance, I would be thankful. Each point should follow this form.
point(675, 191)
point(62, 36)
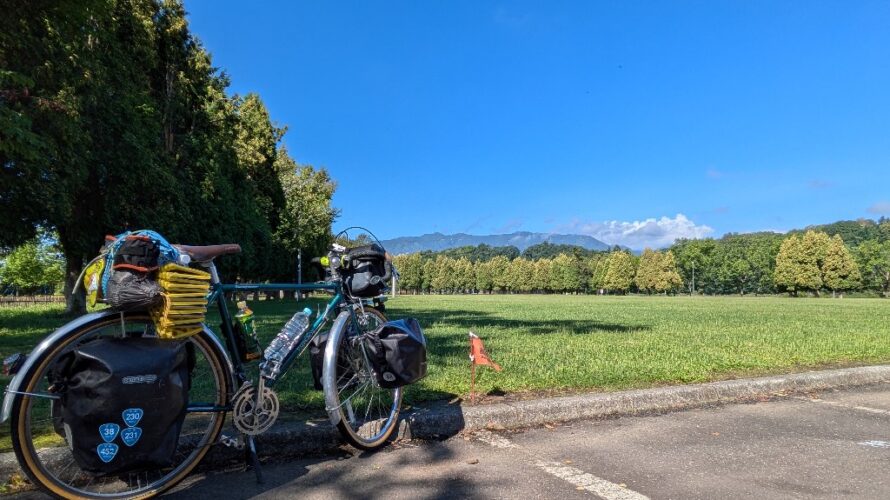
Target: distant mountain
point(521, 240)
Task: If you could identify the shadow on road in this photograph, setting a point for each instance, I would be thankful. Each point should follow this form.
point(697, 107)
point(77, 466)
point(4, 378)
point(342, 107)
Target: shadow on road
point(391, 472)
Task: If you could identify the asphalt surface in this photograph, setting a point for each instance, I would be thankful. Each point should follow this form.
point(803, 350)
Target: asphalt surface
point(828, 445)
point(822, 445)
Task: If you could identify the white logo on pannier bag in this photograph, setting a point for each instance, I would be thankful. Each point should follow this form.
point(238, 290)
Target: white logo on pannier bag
point(139, 379)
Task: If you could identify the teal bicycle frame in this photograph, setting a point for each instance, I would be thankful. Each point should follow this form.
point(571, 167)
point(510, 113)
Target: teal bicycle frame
point(218, 294)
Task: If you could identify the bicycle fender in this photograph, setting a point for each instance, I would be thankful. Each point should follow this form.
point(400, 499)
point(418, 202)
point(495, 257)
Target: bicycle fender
point(16, 383)
point(330, 362)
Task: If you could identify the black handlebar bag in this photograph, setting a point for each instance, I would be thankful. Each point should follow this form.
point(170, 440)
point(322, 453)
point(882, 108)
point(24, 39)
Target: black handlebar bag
point(366, 271)
point(397, 351)
point(123, 402)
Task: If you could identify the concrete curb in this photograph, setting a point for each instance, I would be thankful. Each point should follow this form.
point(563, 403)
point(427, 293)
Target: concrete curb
point(440, 420)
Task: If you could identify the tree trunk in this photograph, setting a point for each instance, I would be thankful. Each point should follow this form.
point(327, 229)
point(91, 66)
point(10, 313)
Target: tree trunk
point(75, 300)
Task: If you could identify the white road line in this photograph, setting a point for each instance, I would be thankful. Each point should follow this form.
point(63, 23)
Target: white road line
point(589, 482)
point(844, 405)
point(876, 444)
point(576, 477)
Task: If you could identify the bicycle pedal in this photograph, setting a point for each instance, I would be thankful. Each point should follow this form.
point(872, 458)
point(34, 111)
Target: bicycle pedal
point(230, 442)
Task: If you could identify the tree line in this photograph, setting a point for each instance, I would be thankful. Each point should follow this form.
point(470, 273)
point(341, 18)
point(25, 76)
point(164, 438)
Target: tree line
point(808, 262)
point(615, 272)
point(113, 118)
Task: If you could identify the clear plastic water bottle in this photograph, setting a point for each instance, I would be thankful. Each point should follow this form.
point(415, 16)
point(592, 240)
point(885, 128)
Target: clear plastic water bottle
point(282, 342)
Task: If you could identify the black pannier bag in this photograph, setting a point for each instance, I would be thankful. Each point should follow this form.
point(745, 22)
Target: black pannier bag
point(316, 358)
point(397, 351)
point(123, 402)
point(366, 271)
point(316, 361)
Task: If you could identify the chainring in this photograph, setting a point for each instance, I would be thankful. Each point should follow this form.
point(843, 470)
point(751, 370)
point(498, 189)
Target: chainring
point(247, 417)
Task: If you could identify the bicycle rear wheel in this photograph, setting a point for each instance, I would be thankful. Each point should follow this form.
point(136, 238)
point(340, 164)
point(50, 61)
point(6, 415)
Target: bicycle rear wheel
point(48, 461)
point(365, 413)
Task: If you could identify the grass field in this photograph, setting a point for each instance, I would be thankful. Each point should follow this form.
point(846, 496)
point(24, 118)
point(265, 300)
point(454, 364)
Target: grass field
point(567, 343)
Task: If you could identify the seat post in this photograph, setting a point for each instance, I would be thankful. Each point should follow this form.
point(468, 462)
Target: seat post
point(211, 268)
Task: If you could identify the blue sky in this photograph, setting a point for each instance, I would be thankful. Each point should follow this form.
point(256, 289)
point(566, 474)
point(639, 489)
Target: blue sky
point(634, 122)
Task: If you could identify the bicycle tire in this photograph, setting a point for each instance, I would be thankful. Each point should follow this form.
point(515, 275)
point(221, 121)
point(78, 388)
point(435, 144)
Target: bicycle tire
point(355, 382)
point(43, 465)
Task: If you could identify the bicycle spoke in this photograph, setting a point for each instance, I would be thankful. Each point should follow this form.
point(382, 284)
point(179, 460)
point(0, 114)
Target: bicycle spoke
point(50, 462)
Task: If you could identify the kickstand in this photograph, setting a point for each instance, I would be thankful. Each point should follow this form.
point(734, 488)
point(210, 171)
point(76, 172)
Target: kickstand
point(253, 460)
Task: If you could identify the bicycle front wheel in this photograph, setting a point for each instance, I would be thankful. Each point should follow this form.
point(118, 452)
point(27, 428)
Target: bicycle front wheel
point(365, 413)
point(49, 462)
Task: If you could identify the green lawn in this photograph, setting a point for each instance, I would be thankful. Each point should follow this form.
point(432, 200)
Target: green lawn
point(566, 343)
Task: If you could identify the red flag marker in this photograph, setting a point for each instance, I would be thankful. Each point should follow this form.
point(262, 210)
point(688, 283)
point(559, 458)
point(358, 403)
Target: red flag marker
point(478, 356)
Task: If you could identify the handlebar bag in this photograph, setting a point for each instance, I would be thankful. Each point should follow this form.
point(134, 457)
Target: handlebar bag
point(123, 402)
point(367, 271)
point(397, 352)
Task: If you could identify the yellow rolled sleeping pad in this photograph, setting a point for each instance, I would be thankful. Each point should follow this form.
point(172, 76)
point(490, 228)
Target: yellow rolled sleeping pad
point(184, 291)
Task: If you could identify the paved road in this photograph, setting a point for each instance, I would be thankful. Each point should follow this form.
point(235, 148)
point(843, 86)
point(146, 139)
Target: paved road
point(828, 445)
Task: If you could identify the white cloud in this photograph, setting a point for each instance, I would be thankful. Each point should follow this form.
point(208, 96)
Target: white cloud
point(652, 233)
point(880, 208)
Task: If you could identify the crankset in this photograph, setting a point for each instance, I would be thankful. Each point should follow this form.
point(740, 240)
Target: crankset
point(253, 411)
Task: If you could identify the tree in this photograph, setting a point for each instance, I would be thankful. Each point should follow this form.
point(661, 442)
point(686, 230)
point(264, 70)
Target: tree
point(541, 275)
point(550, 250)
point(481, 252)
point(700, 256)
point(499, 269)
point(429, 272)
point(597, 265)
point(853, 232)
point(620, 273)
point(566, 274)
point(648, 270)
point(113, 115)
point(798, 263)
point(484, 276)
point(32, 266)
point(410, 268)
point(839, 270)
point(874, 263)
point(667, 278)
point(443, 279)
point(464, 275)
point(521, 273)
point(305, 222)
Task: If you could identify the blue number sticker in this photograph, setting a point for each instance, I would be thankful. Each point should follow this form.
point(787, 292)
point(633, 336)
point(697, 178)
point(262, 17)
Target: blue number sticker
point(132, 416)
point(109, 432)
point(106, 451)
point(130, 435)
